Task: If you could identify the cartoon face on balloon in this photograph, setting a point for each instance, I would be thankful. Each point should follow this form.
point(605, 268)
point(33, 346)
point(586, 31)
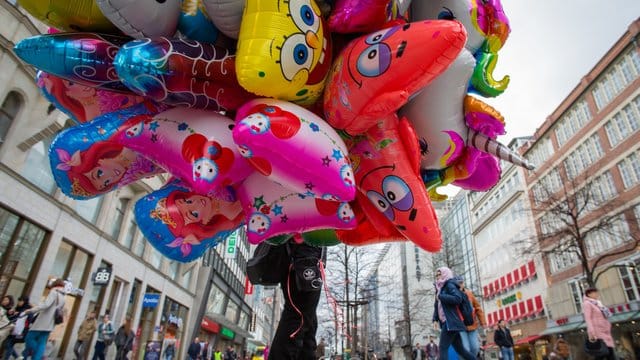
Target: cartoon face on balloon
point(393, 197)
point(283, 51)
point(258, 223)
point(375, 59)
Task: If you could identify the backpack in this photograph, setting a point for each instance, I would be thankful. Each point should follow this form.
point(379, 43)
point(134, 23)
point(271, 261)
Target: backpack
point(466, 310)
point(269, 265)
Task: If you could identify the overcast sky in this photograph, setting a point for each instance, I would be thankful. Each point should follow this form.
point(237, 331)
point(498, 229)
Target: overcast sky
point(552, 45)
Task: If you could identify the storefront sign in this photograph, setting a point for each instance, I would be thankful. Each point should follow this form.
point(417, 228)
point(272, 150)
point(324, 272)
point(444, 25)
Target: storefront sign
point(232, 240)
point(248, 286)
point(516, 332)
point(509, 299)
point(150, 300)
point(102, 276)
point(228, 333)
point(210, 325)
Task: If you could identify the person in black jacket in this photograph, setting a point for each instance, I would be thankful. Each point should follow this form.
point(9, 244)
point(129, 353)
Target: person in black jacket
point(419, 353)
point(194, 349)
point(447, 316)
point(124, 339)
point(295, 338)
point(502, 337)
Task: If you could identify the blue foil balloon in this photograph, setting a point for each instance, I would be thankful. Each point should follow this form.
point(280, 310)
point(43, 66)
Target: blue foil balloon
point(194, 23)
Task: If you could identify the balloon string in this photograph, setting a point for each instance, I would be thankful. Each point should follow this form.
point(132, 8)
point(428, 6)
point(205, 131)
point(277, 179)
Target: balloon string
point(293, 334)
point(332, 301)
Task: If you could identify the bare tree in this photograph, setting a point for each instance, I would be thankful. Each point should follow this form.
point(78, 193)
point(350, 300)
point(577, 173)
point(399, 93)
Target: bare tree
point(582, 220)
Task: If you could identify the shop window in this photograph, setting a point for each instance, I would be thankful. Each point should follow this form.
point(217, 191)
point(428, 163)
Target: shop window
point(10, 108)
point(36, 168)
point(21, 244)
point(630, 278)
point(134, 296)
point(215, 303)
point(577, 288)
point(232, 311)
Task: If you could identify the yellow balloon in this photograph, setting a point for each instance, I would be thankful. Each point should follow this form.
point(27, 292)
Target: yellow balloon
point(284, 50)
point(69, 15)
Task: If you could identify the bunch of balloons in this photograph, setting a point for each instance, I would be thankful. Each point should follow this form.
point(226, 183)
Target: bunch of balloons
point(332, 121)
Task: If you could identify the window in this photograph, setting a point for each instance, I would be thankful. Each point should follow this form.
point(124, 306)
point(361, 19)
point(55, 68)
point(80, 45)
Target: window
point(71, 263)
point(10, 108)
point(232, 312)
point(540, 152)
point(36, 168)
point(600, 190)
point(89, 209)
point(577, 288)
point(630, 170)
point(583, 156)
point(155, 257)
point(572, 121)
point(599, 242)
point(173, 269)
point(616, 79)
point(131, 234)
point(624, 123)
point(562, 260)
point(630, 278)
point(186, 277)
point(215, 304)
point(119, 217)
point(139, 244)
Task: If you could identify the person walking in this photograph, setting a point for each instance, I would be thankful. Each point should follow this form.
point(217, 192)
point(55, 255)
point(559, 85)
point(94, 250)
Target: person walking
point(16, 316)
point(38, 334)
point(170, 351)
point(105, 338)
point(295, 337)
point(446, 314)
point(562, 348)
point(217, 355)
point(124, 339)
point(471, 337)
point(6, 325)
point(85, 332)
point(418, 353)
point(193, 351)
point(432, 349)
point(596, 315)
point(502, 338)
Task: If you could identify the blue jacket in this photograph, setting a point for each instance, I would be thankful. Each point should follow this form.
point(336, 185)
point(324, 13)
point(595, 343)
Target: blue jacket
point(450, 297)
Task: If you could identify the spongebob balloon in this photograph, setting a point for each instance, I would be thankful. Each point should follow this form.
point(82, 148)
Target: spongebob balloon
point(284, 51)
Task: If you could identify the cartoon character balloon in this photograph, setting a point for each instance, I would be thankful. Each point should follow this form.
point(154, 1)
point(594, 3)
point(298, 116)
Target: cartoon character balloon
point(182, 224)
point(226, 15)
point(294, 147)
point(361, 16)
point(271, 209)
point(82, 103)
point(194, 145)
point(375, 74)
point(69, 15)
point(284, 50)
point(143, 18)
point(181, 73)
point(87, 162)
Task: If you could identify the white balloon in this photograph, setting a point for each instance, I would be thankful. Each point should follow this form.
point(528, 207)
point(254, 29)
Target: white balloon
point(143, 18)
point(226, 15)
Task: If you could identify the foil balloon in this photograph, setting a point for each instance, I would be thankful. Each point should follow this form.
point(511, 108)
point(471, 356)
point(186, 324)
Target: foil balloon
point(387, 172)
point(195, 24)
point(181, 72)
point(376, 74)
point(437, 113)
point(69, 15)
point(294, 147)
point(82, 103)
point(360, 16)
point(326, 237)
point(143, 18)
point(370, 230)
point(195, 146)
point(271, 209)
point(181, 224)
point(86, 162)
point(226, 15)
point(284, 50)
point(83, 58)
point(487, 28)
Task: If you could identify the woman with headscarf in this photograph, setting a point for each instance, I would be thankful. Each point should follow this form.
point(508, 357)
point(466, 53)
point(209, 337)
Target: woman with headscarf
point(447, 315)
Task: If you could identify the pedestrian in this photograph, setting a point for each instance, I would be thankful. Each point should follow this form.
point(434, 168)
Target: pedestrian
point(230, 354)
point(194, 349)
point(502, 338)
point(170, 350)
point(562, 348)
point(432, 349)
point(6, 325)
point(418, 353)
point(295, 337)
point(446, 314)
point(106, 333)
point(85, 332)
point(596, 315)
point(266, 352)
point(217, 355)
point(471, 337)
point(205, 350)
point(124, 339)
point(320, 349)
point(38, 334)
point(622, 352)
point(19, 332)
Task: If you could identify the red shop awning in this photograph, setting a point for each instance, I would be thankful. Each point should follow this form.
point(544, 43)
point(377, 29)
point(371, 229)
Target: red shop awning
point(528, 339)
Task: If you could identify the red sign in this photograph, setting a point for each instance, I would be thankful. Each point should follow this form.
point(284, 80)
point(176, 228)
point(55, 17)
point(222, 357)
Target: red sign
point(562, 321)
point(210, 325)
point(248, 286)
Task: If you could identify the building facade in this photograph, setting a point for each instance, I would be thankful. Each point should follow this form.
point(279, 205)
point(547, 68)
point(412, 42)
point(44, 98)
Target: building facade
point(592, 141)
point(512, 276)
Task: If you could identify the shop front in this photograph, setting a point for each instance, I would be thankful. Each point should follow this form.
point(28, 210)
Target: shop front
point(147, 332)
point(209, 333)
point(172, 325)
